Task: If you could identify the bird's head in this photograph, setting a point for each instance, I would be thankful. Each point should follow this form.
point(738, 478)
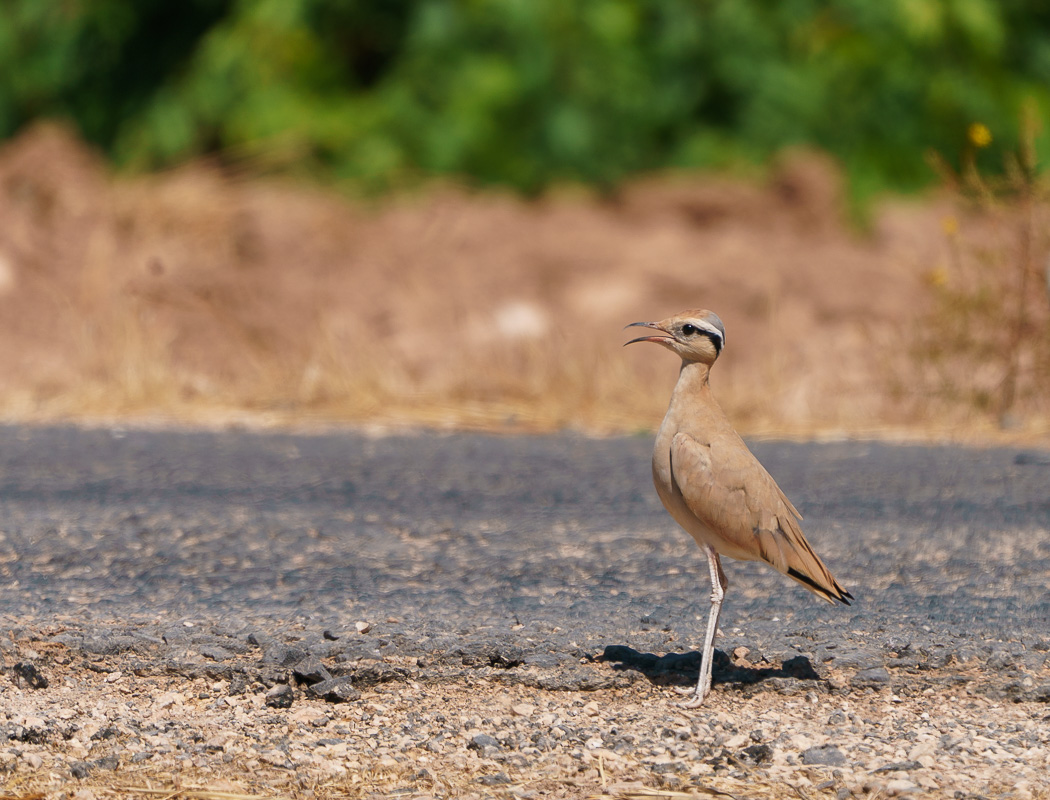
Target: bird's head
point(696, 336)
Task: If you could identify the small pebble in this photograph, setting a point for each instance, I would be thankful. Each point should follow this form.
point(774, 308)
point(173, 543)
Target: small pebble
point(280, 696)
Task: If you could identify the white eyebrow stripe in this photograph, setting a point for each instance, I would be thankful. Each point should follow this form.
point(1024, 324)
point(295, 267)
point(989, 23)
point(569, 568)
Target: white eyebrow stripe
point(709, 328)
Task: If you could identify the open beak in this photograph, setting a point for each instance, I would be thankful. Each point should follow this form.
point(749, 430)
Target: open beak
point(666, 337)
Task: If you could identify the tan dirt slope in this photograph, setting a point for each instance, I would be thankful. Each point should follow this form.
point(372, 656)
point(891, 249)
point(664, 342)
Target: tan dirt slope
point(199, 297)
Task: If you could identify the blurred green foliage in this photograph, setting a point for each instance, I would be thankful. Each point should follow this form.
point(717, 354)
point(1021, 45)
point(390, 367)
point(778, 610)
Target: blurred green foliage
point(527, 92)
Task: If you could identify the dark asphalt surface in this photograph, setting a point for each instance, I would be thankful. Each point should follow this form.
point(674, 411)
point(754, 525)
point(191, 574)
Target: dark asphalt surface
point(554, 545)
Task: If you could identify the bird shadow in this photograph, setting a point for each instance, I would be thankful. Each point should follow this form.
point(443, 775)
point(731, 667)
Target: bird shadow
point(675, 669)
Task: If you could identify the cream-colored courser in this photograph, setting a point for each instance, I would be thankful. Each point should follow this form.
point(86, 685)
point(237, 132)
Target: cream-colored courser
point(714, 487)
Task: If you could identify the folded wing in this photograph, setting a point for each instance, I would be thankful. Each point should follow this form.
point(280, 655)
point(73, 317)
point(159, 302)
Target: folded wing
point(731, 493)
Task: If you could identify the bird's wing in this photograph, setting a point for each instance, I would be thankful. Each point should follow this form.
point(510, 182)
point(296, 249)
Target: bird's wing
point(731, 493)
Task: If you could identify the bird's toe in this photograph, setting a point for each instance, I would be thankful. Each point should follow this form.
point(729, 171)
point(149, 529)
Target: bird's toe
point(695, 701)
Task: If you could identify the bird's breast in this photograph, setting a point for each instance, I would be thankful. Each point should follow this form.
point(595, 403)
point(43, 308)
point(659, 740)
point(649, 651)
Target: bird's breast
point(673, 500)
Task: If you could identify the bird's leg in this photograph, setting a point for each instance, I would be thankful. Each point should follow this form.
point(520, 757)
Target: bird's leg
point(718, 592)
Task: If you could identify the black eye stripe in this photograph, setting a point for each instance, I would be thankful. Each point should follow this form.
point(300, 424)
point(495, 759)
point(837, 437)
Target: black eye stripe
point(689, 329)
point(715, 338)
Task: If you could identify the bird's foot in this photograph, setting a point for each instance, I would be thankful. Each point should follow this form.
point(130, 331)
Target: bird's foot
point(695, 701)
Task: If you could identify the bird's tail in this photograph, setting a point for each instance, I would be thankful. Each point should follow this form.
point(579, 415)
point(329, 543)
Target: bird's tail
point(831, 591)
point(798, 561)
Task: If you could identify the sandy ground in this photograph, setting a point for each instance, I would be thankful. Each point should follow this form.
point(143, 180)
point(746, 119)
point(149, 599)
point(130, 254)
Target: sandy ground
point(112, 730)
point(204, 297)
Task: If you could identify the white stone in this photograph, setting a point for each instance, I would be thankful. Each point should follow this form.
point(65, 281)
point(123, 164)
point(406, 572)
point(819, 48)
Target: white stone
point(900, 786)
point(168, 699)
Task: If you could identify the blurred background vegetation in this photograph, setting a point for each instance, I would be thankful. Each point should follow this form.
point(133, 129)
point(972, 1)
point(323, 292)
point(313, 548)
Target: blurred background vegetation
point(189, 291)
point(524, 93)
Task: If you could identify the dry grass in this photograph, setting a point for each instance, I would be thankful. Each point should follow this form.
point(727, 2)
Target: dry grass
point(986, 341)
point(197, 297)
point(400, 783)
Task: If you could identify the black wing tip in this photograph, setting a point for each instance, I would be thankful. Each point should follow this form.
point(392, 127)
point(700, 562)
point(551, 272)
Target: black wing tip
point(839, 594)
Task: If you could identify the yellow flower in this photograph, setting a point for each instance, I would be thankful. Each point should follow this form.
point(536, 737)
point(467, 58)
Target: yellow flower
point(937, 277)
point(979, 135)
point(950, 225)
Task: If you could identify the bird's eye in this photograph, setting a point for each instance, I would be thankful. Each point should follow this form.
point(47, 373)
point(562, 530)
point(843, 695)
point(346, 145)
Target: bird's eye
point(689, 329)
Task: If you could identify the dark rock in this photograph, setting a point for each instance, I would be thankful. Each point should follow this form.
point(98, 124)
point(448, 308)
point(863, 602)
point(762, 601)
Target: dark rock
point(79, 769)
point(70, 640)
point(355, 650)
point(216, 652)
point(1040, 694)
point(28, 672)
point(231, 643)
point(757, 753)
point(578, 680)
point(481, 741)
point(310, 671)
point(1002, 658)
point(108, 762)
point(877, 677)
point(542, 660)
point(20, 733)
point(271, 676)
point(238, 684)
point(280, 696)
point(113, 645)
point(666, 768)
point(336, 690)
point(1019, 693)
point(827, 755)
point(327, 634)
point(499, 779)
point(493, 654)
point(897, 643)
point(372, 673)
point(544, 743)
point(283, 655)
point(849, 657)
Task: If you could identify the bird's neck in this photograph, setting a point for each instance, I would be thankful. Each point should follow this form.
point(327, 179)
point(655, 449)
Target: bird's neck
point(693, 377)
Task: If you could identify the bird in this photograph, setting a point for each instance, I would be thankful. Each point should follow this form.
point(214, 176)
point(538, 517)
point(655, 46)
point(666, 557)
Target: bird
point(713, 485)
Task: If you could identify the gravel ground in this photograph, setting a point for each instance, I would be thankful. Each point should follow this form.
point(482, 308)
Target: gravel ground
point(452, 616)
